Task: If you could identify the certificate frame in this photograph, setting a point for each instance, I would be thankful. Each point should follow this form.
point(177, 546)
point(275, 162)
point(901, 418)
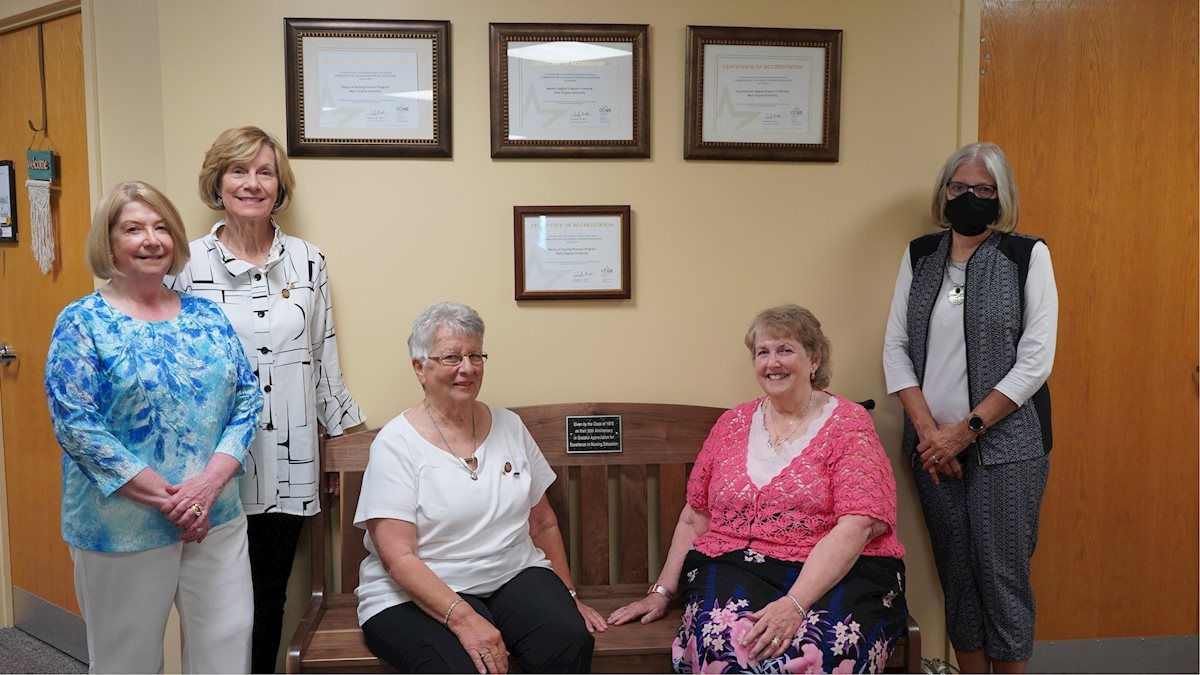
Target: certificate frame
point(417, 125)
point(8, 202)
point(800, 68)
point(616, 128)
point(599, 248)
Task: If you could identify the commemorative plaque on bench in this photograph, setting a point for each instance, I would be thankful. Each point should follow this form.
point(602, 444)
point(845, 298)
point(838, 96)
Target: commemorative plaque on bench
point(593, 433)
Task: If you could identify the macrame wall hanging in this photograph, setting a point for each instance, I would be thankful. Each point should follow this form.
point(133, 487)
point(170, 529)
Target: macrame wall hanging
point(39, 165)
point(41, 227)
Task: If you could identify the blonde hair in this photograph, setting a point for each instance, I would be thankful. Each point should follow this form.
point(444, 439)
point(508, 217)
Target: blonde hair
point(98, 252)
point(993, 160)
point(241, 145)
point(794, 322)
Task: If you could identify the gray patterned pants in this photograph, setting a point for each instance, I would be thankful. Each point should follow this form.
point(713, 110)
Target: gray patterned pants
point(984, 530)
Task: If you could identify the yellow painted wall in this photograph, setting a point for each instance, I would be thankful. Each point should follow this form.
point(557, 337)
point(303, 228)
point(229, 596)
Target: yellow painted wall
point(713, 242)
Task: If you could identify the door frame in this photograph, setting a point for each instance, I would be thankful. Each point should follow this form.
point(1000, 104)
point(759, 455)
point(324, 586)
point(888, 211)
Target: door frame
point(16, 14)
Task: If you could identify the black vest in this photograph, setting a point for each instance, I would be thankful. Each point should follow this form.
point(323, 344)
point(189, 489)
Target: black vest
point(992, 325)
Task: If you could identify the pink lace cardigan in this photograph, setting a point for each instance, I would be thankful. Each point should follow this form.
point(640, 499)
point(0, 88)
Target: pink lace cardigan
point(842, 471)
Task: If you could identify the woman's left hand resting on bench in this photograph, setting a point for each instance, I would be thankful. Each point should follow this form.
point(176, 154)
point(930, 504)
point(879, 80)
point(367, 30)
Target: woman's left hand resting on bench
point(785, 552)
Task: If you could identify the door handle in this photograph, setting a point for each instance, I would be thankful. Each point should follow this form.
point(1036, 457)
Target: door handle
point(7, 355)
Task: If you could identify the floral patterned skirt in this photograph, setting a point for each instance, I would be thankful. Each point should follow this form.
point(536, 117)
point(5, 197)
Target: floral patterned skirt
point(853, 628)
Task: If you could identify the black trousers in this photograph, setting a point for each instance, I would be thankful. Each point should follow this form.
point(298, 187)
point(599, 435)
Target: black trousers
point(272, 538)
point(535, 615)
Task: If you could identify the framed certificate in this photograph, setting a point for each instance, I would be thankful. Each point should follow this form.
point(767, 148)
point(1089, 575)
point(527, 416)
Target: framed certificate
point(8, 202)
point(367, 88)
point(571, 252)
point(560, 90)
point(762, 94)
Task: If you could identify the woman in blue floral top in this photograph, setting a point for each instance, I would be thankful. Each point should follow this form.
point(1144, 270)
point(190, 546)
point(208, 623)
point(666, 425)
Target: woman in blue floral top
point(154, 405)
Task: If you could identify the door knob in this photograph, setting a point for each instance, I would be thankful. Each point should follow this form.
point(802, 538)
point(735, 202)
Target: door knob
point(7, 355)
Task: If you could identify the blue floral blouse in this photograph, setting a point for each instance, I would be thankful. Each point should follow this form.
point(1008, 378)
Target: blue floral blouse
point(127, 394)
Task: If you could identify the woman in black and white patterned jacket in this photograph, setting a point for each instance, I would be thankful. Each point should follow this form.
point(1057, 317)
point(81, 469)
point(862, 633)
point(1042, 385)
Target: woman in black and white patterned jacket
point(275, 290)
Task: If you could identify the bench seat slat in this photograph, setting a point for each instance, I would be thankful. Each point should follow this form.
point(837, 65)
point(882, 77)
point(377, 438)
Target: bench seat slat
point(340, 638)
point(632, 546)
point(559, 496)
point(672, 486)
point(593, 524)
point(353, 550)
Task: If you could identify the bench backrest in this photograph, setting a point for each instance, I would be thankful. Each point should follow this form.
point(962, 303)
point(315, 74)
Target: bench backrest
point(617, 511)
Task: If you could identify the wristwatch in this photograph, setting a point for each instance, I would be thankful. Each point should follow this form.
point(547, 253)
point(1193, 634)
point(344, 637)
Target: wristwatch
point(660, 589)
point(975, 424)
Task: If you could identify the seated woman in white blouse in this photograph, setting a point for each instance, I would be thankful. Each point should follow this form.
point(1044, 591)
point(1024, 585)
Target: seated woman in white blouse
point(465, 559)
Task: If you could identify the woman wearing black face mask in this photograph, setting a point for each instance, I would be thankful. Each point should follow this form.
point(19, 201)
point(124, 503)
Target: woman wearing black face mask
point(970, 342)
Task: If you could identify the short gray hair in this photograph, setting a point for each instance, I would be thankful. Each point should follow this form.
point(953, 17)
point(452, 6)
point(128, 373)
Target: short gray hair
point(992, 158)
point(453, 316)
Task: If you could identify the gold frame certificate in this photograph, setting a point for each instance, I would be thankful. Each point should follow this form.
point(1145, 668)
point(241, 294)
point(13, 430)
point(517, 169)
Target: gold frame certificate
point(763, 94)
point(365, 88)
point(569, 90)
point(571, 252)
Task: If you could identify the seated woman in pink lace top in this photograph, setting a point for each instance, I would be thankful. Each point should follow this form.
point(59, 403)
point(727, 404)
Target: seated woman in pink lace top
point(785, 554)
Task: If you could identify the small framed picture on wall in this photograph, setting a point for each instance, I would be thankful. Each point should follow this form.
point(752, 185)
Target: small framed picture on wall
point(8, 202)
point(572, 252)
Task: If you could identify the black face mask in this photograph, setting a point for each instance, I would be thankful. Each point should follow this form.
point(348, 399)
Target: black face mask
point(969, 215)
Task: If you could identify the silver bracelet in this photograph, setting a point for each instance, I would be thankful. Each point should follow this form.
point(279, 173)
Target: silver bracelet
point(446, 620)
point(799, 609)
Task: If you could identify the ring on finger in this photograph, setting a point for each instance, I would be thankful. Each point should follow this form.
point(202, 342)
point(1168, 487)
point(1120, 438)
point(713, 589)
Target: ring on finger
point(776, 641)
point(197, 510)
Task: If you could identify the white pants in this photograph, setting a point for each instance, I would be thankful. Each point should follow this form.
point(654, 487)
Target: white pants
point(127, 597)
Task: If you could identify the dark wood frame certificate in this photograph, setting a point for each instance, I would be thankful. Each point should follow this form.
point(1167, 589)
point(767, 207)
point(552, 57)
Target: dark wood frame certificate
point(8, 202)
point(763, 94)
point(571, 252)
point(569, 90)
point(367, 88)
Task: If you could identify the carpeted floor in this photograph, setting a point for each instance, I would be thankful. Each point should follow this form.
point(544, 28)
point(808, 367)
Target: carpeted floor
point(23, 653)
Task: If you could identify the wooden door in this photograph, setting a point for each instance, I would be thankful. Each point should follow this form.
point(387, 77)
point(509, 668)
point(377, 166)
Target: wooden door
point(1095, 105)
point(29, 302)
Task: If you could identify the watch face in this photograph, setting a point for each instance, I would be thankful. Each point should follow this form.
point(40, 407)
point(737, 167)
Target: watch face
point(975, 423)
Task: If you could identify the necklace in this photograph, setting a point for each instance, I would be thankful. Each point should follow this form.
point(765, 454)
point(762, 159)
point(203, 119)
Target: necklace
point(467, 462)
point(957, 294)
point(777, 440)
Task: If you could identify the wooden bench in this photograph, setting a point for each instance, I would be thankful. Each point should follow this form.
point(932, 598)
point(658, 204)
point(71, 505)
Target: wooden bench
point(609, 506)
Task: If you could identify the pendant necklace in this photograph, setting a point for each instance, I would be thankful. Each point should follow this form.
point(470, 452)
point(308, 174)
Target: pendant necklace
point(957, 294)
point(776, 440)
point(467, 462)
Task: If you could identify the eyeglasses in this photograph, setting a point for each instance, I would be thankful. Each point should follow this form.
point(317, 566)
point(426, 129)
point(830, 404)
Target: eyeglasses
point(983, 190)
point(455, 360)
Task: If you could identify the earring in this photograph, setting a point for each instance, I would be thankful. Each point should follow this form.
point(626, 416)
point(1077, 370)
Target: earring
point(220, 202)
point(812, 376)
